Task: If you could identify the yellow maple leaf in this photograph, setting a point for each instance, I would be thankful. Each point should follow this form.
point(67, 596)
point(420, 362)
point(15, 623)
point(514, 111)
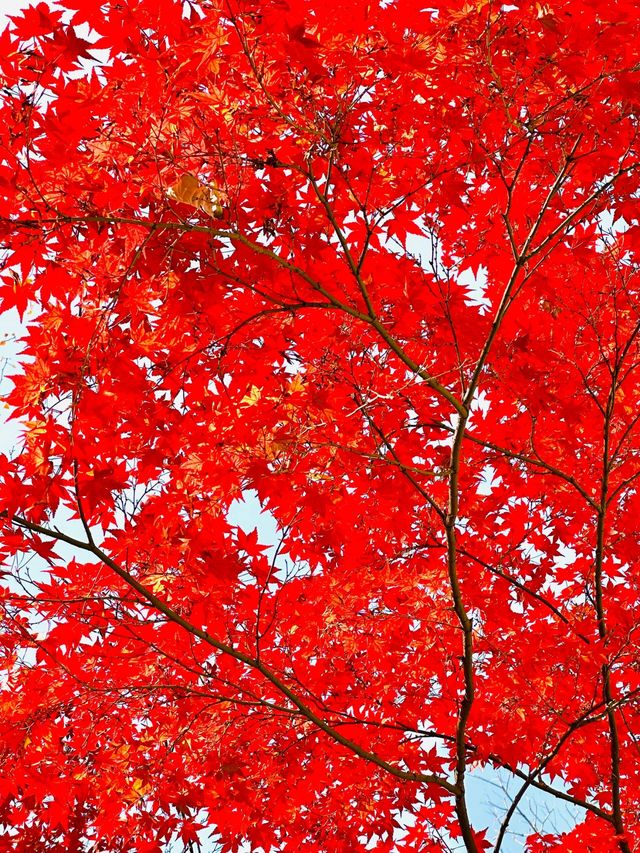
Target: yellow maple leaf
point(189, 190)
point(252, 397)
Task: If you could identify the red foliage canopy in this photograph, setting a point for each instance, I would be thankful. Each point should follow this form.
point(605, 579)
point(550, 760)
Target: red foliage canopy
point(378, 265)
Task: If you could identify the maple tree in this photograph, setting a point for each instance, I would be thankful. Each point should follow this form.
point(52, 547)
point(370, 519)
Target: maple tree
point(379, 265)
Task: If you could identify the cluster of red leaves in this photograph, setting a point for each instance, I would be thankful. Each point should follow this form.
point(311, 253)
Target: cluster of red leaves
point(378, 264)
